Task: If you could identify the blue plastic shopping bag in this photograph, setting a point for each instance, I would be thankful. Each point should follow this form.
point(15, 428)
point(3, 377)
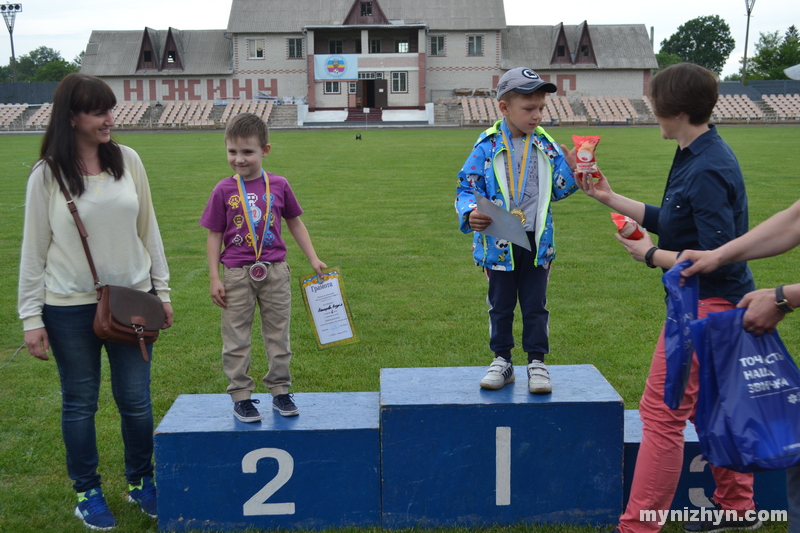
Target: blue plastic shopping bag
point(681, 310)
point(748, 408)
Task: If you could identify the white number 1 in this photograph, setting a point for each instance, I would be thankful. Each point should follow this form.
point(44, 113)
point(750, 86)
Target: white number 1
point(502, 480)
point(255, 506)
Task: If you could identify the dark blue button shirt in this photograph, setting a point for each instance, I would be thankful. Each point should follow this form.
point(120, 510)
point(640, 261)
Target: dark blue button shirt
point(705, 206)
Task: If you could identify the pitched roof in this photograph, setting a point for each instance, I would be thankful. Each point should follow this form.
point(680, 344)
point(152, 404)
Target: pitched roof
point(116, 53)
point(279, 16)
point(623, 46)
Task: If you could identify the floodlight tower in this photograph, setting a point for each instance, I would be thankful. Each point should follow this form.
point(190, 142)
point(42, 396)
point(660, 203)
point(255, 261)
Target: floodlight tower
point(748, 4)
point(9, 12)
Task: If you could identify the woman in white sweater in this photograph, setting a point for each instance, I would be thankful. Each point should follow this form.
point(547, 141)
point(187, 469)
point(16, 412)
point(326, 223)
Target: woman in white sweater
point(57, 298)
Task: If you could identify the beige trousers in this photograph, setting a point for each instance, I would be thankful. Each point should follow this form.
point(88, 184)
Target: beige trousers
point(274, 298)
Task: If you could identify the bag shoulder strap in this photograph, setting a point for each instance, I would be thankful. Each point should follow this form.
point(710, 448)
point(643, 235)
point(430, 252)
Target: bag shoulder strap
point(73, 209)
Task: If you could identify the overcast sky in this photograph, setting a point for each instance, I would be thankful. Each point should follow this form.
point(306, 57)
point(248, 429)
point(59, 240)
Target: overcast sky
point(65, 25)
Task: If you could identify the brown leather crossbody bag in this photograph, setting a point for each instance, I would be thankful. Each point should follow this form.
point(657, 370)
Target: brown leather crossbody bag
point(124, 315)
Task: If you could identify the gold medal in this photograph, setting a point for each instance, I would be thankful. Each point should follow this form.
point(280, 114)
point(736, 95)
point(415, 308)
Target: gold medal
point(518, 188)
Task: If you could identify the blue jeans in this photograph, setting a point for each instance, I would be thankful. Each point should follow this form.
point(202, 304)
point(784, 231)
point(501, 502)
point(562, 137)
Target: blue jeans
point(528, 285)
point(77, 351)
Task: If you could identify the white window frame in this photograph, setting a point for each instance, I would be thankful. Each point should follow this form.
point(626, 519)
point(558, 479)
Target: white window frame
point(400, 82)
point(351, 87)
point(298, 41)
point(474, 45)
point(401, 47)
point(440, 50)
point(252, 48)
point(332, 87)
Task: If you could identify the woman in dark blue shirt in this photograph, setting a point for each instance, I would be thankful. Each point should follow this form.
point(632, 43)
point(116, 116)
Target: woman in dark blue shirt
point(704, 206)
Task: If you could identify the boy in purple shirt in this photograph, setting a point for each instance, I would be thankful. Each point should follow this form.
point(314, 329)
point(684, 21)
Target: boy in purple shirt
point(245, 236)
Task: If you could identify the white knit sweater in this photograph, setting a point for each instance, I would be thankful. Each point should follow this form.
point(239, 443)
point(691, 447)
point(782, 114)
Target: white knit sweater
point(123, 233)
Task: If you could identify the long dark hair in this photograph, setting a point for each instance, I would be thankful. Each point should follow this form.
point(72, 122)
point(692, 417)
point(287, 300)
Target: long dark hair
point(78, 93)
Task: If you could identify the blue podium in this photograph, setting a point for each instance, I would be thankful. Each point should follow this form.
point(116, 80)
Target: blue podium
point(317, 470)
point(454, 454)
point(696, 485)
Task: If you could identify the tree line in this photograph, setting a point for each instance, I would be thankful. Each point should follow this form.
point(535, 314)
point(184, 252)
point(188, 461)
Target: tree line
point(707, 41)
point(41, 64)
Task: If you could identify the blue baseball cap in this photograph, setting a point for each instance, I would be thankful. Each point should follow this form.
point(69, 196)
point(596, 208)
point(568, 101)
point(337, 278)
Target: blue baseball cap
point(523, 80)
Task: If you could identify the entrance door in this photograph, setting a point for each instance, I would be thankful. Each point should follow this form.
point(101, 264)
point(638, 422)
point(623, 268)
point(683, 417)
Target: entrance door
point(365, 93)
point(381, 94)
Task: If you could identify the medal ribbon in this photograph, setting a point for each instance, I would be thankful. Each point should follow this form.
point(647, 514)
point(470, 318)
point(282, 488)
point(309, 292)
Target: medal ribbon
point(523, 171)
point(251, 226)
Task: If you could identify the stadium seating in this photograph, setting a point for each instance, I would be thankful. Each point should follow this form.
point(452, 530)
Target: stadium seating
point(609, 109)
point(261, 108)
point(187, 114)
point(737, 108)
point(40, 118)
point(129, 113)
point(786, 107)
point(476, 110)
point(11, 112)
point(560, 108)
point(484, 111)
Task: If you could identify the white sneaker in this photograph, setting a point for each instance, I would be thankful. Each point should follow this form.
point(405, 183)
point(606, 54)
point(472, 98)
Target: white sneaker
point(500, 373)
point(539, 378)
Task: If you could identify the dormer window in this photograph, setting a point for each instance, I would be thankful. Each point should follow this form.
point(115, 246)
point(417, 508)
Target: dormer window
point(171, 55)
point(366, 9)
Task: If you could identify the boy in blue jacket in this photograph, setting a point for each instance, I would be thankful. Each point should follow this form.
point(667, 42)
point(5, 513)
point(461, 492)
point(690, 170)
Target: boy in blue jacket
point(519, 167)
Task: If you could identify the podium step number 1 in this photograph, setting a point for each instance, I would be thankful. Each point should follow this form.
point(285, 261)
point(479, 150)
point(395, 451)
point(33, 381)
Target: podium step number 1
point(503, 466)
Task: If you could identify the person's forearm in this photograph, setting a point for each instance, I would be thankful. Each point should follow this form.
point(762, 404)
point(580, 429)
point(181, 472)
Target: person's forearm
point(302, 237)
point(776, 235)
point(213, 252)
point(626, 206)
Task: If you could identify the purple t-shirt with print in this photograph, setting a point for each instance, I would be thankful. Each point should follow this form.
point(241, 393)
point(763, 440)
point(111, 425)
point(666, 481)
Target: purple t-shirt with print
point(225, 213)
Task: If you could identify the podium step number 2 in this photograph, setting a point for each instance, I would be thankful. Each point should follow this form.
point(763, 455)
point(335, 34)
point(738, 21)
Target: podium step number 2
point(255, 506)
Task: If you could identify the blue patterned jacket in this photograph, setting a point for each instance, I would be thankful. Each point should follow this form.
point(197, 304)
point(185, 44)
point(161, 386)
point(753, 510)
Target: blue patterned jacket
point(484, 173)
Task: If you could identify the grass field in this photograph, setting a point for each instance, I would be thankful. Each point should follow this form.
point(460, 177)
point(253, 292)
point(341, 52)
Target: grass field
point(382, 209)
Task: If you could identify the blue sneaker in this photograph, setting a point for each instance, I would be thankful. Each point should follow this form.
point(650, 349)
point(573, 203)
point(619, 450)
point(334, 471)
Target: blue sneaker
point(145, 495)
point(92, 509)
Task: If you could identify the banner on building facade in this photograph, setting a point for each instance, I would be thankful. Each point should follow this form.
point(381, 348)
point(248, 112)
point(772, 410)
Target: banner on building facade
point(336, 67)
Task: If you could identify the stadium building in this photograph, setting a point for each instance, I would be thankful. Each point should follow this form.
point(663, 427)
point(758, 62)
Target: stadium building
point(349, 55)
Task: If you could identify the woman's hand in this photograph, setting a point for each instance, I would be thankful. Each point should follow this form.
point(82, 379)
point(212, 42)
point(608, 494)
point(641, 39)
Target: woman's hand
point(637, 248)
point(594, 185)
point(38, 344)
point(762, 316)
point(168, 312)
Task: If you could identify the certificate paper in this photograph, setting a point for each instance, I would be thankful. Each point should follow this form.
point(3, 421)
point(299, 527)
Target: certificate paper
point(504, 225)
point(327, 308)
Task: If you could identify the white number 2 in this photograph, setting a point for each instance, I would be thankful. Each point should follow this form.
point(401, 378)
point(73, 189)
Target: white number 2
point(255, 506)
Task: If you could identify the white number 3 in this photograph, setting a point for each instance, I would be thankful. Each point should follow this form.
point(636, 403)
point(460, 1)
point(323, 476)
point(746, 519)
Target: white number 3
point(255, 506)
